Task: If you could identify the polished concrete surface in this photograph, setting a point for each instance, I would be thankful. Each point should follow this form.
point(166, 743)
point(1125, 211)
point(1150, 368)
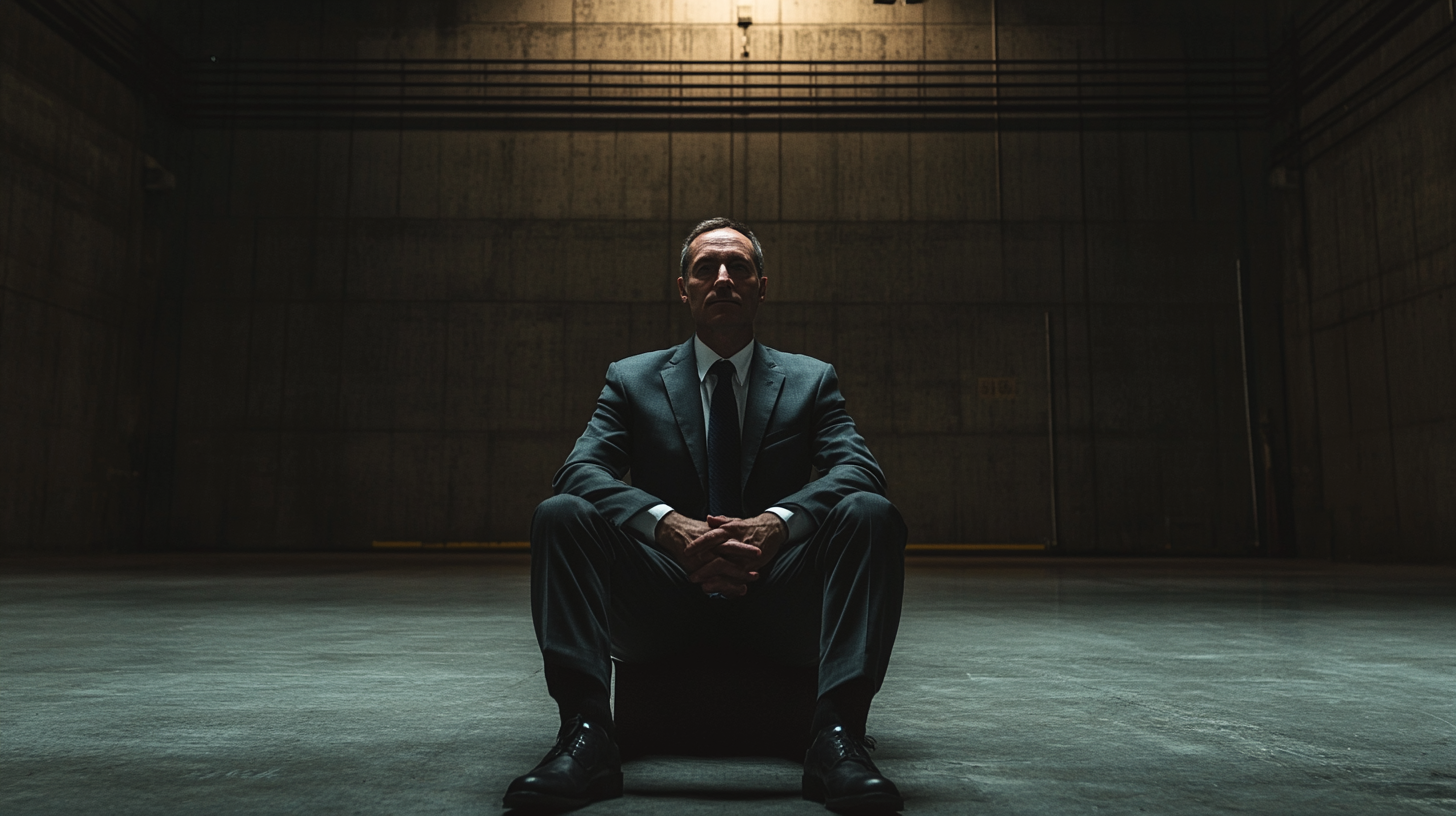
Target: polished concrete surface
point(409, 685)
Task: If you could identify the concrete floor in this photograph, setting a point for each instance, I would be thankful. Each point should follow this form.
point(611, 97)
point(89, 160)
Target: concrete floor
point(409, 685)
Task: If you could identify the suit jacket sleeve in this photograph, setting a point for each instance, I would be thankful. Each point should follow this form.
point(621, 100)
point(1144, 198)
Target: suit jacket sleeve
point(603, 455)
point(838, 453)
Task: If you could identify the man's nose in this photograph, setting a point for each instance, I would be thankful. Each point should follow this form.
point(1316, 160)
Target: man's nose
point(723, 276)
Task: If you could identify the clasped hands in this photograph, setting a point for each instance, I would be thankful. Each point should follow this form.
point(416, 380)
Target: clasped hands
point(722, 554)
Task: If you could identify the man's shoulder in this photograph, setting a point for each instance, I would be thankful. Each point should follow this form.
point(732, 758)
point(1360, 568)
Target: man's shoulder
point(646, 362)
point(791, 363)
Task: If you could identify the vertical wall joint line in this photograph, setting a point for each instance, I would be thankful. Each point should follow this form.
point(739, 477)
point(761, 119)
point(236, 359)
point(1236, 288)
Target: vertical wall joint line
point(1248, 412)
point(1051, 426)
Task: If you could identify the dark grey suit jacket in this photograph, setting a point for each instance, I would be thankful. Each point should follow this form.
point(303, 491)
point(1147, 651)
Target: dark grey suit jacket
point(649, 421)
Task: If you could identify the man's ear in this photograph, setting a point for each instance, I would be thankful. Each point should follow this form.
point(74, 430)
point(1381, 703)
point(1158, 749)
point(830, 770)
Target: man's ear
point(762, 288)
point(682, 290)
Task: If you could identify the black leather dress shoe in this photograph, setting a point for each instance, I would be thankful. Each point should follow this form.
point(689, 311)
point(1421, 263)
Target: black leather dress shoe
point(583, 767)
point(838, 772)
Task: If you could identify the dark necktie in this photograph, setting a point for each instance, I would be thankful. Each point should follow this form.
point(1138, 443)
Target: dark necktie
point(724, 448)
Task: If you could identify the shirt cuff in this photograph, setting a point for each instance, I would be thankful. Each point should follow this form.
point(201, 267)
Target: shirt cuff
point(796, 529)
point(645, 522)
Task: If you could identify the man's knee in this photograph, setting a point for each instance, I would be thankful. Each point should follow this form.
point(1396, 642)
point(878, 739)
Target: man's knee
point(875, 511)
point(557, 512)
point(869, 507)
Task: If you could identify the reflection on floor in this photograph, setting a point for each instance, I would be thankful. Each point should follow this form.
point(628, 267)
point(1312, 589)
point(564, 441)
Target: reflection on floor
point(390, 684)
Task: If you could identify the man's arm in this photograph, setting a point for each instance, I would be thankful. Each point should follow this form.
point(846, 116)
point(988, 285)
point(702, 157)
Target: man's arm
point(840, 455)
point(602, 456)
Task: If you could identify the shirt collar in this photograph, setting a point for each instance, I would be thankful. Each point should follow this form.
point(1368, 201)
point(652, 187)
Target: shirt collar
point(706, 358)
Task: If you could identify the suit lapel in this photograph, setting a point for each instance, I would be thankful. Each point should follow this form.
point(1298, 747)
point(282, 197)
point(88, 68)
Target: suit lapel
point(764, 383)
point(684, 393)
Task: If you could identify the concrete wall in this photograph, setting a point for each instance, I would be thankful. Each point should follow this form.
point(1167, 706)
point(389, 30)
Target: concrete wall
point(398, 334)
point(1372, 335)
point(76, 298)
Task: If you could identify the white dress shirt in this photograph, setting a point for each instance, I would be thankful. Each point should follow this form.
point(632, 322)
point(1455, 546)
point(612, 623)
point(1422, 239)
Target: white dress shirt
point(645, 522)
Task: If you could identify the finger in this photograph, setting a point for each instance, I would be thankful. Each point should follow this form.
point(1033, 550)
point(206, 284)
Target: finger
point(694, 561)
point(734, 525)
point(720, 568)
point(707, 541)
point(739, 553)
point(706, 572)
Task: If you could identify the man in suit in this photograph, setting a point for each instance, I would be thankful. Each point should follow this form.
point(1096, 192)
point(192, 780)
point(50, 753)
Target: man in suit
point(721, 541)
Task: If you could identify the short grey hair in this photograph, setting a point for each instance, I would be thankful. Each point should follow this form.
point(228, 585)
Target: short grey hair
point(716, 224)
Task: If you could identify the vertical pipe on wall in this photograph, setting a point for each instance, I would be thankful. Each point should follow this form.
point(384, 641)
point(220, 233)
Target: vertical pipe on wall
point(1248, 414)
point(1051, 426)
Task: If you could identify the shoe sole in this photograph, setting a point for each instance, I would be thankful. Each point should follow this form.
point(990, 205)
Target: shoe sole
point(607, 787)
point(865, 805)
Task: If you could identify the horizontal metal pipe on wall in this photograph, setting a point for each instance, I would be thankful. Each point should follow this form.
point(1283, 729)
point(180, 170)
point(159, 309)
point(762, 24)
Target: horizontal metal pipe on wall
point(1232, 92)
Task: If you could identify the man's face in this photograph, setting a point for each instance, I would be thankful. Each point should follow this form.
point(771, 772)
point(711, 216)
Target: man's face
point(722, 287)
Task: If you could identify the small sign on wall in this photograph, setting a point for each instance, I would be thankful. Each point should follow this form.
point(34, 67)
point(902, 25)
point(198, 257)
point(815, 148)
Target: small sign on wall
point(994, 389)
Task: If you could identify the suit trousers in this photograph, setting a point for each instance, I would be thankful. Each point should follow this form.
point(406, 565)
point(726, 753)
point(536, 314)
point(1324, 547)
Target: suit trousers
point(831, 600)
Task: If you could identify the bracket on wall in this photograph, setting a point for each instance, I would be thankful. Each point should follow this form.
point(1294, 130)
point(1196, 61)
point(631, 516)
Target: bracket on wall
point(745, 19)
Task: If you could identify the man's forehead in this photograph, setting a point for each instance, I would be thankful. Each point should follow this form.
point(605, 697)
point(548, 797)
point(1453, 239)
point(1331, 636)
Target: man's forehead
point(722, 241)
